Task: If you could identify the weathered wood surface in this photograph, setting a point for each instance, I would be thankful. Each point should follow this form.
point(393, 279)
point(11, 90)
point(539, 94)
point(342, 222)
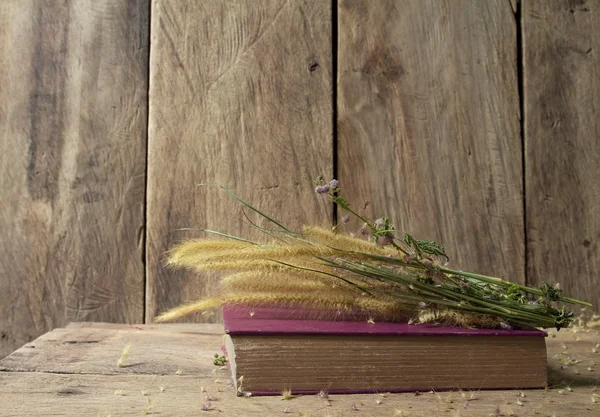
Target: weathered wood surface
point(73, 96)
point(89, 346)
point(240, 96)
point(429, 124)
point(561, 45)
point(169, 372)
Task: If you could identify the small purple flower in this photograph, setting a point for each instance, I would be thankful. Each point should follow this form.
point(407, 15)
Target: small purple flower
point(346, 219)
point(322, 189)
point(380, 223)
point(334, 184)
point(287, 410)
point(206, 406)
point(505, 325)
point(422, 304)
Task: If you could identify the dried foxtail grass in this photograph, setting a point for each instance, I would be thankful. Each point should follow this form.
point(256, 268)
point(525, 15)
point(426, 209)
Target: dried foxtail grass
point(457, 318)
point(344, 243)
point(384, 276)
point(189, 308)
point(268, 282)
point(330, 301)
point(287, 273)
point(195, 252)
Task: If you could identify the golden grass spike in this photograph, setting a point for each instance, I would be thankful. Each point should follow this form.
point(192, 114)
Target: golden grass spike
point(185, 309)
point(338, 299)
point(284, 252)
point(198, 250)
point(382, 308)
point(281, 292)
point(345, 242)
point(124, 355)
point(288, 280)
point(192, 253)
point(309, 300)
point(457, 318)
point(263, 265)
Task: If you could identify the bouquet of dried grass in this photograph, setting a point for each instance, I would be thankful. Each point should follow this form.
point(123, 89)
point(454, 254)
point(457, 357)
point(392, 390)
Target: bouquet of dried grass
point(376, 273)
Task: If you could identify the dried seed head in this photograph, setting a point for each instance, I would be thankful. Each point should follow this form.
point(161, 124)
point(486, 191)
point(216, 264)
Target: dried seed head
point(124, 355)
point(322, 189)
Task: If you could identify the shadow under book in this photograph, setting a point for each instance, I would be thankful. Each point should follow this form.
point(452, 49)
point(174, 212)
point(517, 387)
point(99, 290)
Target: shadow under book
point(274, 350)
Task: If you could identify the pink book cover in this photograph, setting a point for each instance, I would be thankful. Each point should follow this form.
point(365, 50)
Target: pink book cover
point(241, 320)
point(262, 320)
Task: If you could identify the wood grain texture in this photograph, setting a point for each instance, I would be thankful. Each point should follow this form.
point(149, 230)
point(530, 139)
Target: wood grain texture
point(429, 125)
point(95, 348)
point(561, 45)
point(240, 96)
point(98, 388)
point(72, 163)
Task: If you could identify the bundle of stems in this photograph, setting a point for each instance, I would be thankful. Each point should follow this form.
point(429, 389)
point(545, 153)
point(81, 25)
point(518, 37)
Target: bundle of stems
point(376, 273)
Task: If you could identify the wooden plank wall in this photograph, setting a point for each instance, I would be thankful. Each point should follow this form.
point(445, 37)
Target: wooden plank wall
point(73, 101)
point(415, 106)
point(241, 97)
point(429, 124)
point(561, 52)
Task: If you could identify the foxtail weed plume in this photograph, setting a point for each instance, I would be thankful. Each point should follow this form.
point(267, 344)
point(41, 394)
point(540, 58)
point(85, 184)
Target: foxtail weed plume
point(374, 272)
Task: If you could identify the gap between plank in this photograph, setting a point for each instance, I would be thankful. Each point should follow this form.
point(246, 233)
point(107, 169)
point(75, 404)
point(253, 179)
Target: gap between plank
point(145, 217)
point(334, 93)
point(521, 87)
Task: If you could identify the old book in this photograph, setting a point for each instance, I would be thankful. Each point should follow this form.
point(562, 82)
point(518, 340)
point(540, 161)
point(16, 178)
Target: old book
point(270, 351)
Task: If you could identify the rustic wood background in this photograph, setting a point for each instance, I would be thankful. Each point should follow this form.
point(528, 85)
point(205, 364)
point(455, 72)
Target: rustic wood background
point(470, 122)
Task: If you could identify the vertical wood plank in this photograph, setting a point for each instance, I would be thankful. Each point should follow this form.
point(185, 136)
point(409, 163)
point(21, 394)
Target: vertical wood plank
point(241, 97)
point(561, 45)
point(429, 124)
point(73, 95)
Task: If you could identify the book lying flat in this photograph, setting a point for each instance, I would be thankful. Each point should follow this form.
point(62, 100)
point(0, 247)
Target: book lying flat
point(271, 350)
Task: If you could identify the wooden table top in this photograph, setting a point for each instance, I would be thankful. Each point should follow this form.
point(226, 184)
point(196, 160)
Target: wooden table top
point(73, 371)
